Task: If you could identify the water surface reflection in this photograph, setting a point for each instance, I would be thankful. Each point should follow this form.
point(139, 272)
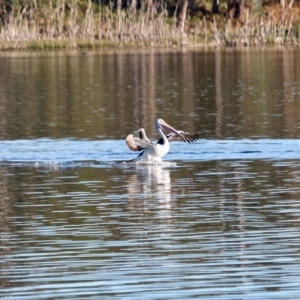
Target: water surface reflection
point(228, 93)
point(211, 229)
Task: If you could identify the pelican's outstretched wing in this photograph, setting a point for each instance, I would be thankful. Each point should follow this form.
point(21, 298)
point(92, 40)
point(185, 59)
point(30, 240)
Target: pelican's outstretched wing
point(137, 141)
point(183, 137)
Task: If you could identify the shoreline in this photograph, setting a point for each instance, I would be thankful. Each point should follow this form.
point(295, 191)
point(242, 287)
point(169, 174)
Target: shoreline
point(84, 46)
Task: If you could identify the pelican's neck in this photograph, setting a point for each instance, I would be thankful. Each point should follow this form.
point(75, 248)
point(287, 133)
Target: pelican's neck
point(161, 133)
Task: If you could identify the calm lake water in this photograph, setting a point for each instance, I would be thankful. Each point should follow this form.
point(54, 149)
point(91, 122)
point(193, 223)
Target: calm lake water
point(218, 219)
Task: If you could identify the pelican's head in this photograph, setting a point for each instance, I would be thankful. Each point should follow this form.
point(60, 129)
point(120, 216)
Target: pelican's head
point(161, 124)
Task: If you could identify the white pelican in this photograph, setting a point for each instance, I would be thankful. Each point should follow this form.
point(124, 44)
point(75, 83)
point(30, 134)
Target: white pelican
point(138, 141)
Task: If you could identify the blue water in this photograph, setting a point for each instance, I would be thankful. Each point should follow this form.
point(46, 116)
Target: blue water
point(64, 151)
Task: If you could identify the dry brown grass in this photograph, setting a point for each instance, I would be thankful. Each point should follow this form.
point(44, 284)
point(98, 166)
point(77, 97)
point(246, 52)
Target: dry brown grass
point(69, 24)
point(149, 25)
point(268, 26)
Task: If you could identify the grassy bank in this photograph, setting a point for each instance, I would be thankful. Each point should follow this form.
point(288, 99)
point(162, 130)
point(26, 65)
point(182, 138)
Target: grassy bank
point(84, 24)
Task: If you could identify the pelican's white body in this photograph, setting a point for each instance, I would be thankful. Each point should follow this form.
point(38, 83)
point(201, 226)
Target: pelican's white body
point(154, 153)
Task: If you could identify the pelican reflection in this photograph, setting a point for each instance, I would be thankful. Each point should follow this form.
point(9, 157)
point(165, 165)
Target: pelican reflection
point(151, 182)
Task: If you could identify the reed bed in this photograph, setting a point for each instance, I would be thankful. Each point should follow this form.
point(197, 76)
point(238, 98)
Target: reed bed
point(258, 31)
point(67, 24)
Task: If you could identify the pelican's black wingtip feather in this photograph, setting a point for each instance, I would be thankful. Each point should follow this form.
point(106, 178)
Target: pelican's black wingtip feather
point(183, 137)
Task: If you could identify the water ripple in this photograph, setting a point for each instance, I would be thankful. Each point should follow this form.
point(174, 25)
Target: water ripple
point(215, 229)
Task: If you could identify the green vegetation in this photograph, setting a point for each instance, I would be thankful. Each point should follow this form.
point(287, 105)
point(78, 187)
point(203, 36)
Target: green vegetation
point(38, 24)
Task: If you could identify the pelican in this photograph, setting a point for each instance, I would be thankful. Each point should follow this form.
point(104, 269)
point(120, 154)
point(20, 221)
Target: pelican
point(138, 141)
